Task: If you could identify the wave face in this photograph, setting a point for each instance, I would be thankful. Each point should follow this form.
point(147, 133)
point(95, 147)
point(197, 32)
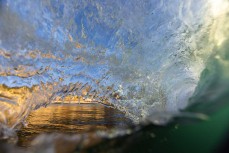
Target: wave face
point(141, 56)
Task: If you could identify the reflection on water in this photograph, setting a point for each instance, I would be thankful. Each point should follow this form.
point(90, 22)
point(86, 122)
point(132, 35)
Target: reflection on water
point(71, 118)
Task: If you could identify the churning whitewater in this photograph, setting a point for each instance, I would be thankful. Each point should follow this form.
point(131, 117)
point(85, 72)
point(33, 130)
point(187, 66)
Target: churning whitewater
point(142, 57)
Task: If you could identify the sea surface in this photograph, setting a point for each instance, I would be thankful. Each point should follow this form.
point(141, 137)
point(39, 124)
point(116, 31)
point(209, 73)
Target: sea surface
point(71, 119)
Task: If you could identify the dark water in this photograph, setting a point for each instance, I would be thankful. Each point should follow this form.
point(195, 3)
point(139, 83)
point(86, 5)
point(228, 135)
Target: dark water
point(71, 119)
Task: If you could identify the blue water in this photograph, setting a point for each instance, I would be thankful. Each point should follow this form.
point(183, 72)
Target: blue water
point(146, 58)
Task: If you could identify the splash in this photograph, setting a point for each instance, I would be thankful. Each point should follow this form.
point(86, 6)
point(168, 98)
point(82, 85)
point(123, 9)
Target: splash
point(141, 57)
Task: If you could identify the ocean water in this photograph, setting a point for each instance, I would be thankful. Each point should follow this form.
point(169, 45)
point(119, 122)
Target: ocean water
point(71, 119)
point(152, 60)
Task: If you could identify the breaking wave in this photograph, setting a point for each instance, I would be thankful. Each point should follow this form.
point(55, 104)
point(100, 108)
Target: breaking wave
point(142, 57)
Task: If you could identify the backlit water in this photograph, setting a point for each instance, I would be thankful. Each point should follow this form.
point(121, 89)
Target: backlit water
point(71, 119)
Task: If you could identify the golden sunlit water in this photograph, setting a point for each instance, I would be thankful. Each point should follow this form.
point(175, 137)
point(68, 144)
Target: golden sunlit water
point(71, 119)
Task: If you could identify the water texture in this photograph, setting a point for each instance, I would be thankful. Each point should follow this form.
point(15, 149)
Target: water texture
point(145, 58)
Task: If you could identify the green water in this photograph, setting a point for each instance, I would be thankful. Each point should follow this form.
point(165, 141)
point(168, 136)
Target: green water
point(183, 135)
point(202, 136)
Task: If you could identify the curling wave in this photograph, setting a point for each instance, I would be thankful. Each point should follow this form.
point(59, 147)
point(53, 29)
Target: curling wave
point(143, 57)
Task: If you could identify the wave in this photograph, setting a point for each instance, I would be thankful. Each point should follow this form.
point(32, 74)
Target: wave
point(142, 57)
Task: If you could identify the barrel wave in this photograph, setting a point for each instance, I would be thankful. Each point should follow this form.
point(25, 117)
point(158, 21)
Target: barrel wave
point(145, 58)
